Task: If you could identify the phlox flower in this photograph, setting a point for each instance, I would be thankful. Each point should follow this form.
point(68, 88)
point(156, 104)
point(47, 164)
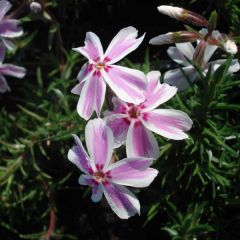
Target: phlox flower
point(133, 123)
point(100, 69)
point(9, 28)
point(109, 178)
point(8, 70)
point(183, 54)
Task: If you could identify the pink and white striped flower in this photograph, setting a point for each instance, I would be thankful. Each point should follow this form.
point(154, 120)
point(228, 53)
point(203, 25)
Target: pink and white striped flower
point(8, 70)
point(109, 178)
point(9, 28)
point(126, 83)
point(133, 123)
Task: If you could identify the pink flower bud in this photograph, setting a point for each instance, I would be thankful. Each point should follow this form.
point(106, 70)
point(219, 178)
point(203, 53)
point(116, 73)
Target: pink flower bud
point(198, 57)
point(35, 7)
point(184, 15)
point(175, 37)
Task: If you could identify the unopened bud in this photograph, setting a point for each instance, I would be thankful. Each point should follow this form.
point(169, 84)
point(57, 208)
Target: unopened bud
point(184, 15)
point(198, 57)
point(230, 47)
point(175, 37)
point(35, 7)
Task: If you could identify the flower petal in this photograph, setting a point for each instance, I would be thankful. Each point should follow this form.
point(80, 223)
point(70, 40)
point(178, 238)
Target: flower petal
point(122, 44)
point(92, 92)
point(97, 193)
point(153, 85)
point(123, 202)
point(133, 172)
point(169, 123)
point(12, 70)
point(78, 156)
point(10, 28)
point(175, 77)
point(186, 49)
point(82, 77)
point(93, 47)
point(100, 142)
point(3, 85)
point(5, 6)
point(86, 180)
point(119, 127)
point(9, 44)
point(177, 56)
point(234, 67)
point(2, 52)
point(141, 142)
point(126, 83)
point(100, 91)
point(163, 93)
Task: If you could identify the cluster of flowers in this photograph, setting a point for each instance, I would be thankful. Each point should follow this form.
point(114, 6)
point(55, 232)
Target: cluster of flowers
point(9, 29)
point(135, 115)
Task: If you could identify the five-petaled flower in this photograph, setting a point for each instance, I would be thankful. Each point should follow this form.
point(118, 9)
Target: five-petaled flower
point(134, 123)
point(109, 178)
point(126, 83)
point(183, 54)
point(8, 70)
point(9, 28)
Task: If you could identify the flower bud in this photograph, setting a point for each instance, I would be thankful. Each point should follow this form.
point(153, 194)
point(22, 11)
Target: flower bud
point(35, 7)
point(175, 37)
point(230, 47)
point(184, 15)
point(198, 57)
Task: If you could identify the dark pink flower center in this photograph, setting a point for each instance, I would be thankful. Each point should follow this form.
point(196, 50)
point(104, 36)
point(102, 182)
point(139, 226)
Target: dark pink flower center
point(99, 176)
point(99, 65)
point(134, 112)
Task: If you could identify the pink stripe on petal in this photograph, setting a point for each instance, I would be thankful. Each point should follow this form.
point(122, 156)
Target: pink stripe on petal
point(78, 156)
point(86, 101)
point(123, 202)
point(129, 164)
point(119, 128)
point(99, 141)
point(86, 180)
point(168, 123)
point(126, 83)
point(122, 44)
point(153, 85)
point(93, 47)
point(97, 193)
point(134, 178)
point(162, 95)
point(141, 142)
point(12, 70)
point(100, 91)
point(5, 6)
point(10, 28)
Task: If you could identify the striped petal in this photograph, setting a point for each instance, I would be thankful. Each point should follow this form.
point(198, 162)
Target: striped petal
point(93, 47)
point(169, 123)
point(126, 83)
point(78, 156)
point(122, 44)
point(141, 142)
point(133, 172)
point(100, 142)
point(123, 202)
